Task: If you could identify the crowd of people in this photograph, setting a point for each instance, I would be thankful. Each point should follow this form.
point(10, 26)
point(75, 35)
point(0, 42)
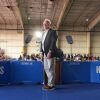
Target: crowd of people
point(67, 57)
point(26, 57)
point(38, 57)
point(80, 57)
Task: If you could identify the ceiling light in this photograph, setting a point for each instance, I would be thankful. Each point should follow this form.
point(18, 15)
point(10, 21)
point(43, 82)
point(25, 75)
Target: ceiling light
point(87, 20)
point(28, 18)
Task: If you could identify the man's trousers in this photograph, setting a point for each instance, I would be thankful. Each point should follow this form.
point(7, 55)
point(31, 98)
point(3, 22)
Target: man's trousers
point(49, 68)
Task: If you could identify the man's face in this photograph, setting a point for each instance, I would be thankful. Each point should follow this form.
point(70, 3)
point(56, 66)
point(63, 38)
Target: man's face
point(46, 25)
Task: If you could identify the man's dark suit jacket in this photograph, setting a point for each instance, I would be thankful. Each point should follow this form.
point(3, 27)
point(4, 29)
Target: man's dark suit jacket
point(50, 43)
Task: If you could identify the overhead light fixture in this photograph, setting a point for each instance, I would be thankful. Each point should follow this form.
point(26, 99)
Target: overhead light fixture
point(28, 18)
point(87, 20)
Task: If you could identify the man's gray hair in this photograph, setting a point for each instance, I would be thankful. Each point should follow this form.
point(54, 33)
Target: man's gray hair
point(48, 20)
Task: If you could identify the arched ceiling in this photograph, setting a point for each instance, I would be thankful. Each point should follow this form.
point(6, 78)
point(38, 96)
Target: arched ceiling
point(9, 14)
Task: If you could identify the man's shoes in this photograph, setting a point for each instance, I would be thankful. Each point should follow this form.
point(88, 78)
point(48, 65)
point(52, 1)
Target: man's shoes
point(46, 87)
point(51, 88)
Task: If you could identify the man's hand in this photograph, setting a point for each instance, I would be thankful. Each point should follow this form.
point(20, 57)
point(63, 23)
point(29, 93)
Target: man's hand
point(49, 55)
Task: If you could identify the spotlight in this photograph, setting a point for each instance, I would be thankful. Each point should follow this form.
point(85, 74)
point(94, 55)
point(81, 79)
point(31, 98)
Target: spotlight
point(38, 34)
point(28, 18)
point(87, 20)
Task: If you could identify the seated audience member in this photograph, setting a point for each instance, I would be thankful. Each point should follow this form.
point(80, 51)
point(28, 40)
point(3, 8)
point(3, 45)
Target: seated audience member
point(90, 58)
point(28, 58)
point(2, 54)
point(20, 58)
point(64, 57)
point(72, 57)
point(33, 57)
point(98, 58)
point(24, 56)
point(85, 57)
point(77, 57)
point(93, 58)
point(68, 57)
point(38, 58)
point(82, 58)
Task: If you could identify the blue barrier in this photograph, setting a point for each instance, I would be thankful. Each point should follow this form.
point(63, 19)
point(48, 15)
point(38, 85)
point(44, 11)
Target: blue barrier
point(26, 72)
point(32, 71)
point(4, 72)
point(80, 72)
point(21, 71)
point(95, 72)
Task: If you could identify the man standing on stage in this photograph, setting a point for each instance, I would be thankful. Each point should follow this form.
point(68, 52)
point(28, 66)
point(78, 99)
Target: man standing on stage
point(48, 49)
